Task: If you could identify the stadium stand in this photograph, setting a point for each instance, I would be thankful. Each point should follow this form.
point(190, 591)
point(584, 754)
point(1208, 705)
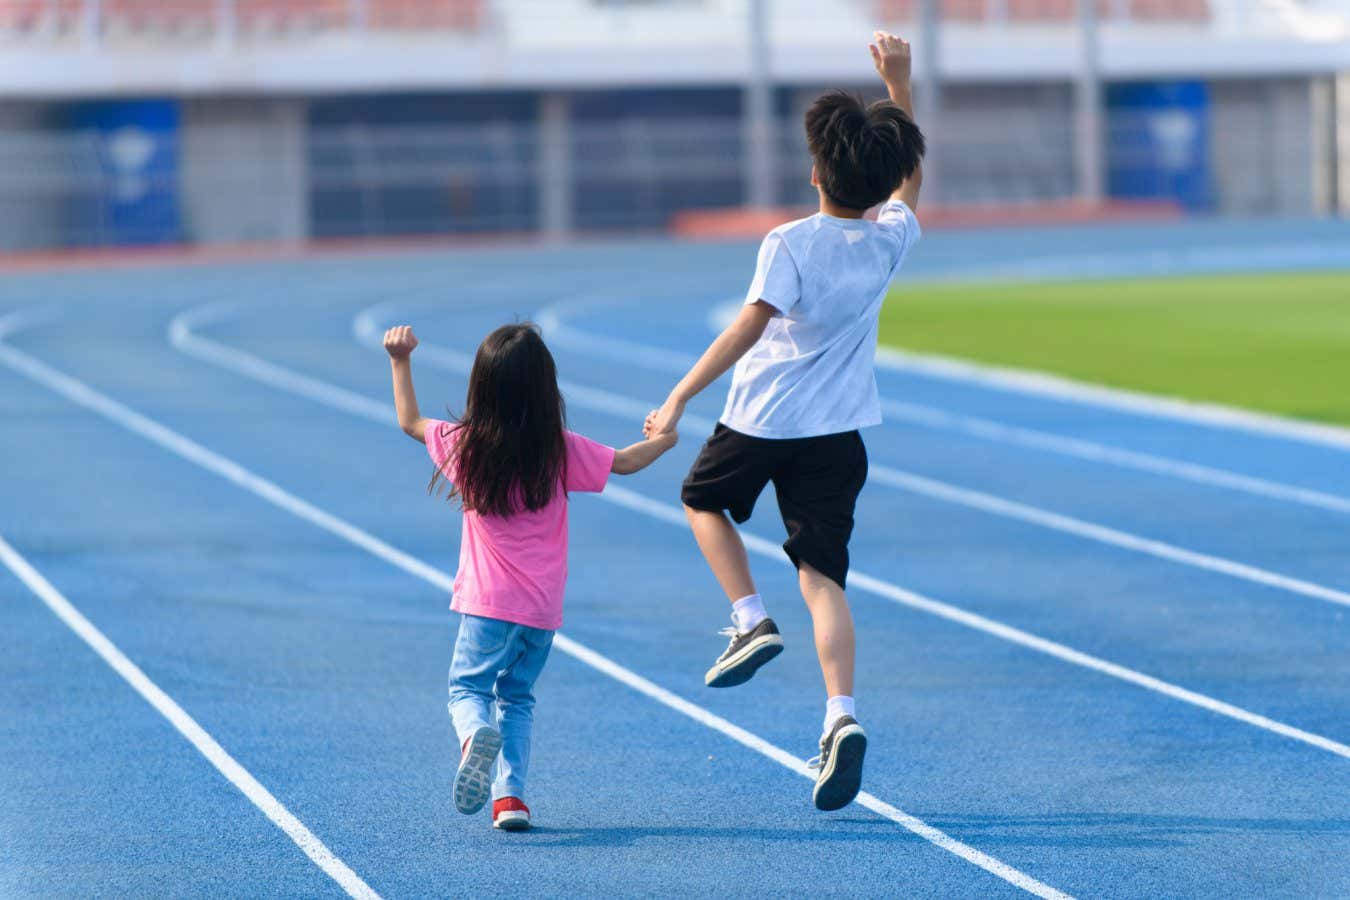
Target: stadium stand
point(175, 20)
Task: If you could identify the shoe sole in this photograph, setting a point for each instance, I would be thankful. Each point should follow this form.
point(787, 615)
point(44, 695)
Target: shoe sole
point(473, 781)
point(512, 823)
point(840, 782)
point(742, 667)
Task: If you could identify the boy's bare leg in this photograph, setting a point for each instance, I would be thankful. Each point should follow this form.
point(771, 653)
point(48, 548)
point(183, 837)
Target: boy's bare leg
point(724, 550)
point(843, 742)
point(833, 625)
point(754, 639)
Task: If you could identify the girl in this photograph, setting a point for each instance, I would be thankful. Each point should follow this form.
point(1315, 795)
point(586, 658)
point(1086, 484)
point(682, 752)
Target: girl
point(511, 464)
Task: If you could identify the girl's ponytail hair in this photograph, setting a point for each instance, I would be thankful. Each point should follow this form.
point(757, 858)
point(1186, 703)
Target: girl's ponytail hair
point(510, 453)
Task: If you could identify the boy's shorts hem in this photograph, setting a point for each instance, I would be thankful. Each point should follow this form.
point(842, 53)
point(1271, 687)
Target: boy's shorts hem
point(816, 480)
point(826, 564)
point(739, 514)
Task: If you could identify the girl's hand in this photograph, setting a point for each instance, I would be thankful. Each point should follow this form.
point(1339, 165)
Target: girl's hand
point(400, 341)
point(665, 419)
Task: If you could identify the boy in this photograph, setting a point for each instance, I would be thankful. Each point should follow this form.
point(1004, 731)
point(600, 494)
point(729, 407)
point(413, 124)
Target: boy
point(803, 348)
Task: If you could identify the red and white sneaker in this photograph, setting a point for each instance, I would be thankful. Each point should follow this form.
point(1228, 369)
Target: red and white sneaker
point(473, 781)
point(509, 814)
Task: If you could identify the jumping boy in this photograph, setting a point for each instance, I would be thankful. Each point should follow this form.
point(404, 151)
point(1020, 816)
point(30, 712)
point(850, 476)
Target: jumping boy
point(803, 347)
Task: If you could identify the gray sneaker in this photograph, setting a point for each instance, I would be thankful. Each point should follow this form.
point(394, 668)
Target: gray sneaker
point(473, 781)
point(745, 654)
point(840, 763)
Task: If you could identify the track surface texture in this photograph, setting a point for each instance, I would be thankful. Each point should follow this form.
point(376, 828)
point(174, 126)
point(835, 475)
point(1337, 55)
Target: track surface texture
point(1102, 643)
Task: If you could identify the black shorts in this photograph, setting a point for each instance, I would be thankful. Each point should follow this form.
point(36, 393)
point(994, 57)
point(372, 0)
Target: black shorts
point(817, 480)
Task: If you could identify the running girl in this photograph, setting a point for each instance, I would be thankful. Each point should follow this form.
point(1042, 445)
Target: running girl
point(511, 463)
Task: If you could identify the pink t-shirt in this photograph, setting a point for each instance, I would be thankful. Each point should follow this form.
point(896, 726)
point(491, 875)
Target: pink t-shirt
point(514, 568)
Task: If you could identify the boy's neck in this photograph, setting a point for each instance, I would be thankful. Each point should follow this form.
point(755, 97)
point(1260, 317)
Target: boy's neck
point(830, 208)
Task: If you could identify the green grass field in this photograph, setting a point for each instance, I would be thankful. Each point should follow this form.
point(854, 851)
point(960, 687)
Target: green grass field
point(1273, 342)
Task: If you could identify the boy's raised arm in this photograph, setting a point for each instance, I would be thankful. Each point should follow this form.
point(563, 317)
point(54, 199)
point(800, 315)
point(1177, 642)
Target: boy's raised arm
point(891, 56)
point(399, 343)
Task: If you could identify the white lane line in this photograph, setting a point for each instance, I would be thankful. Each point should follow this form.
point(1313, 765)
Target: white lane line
point(206, 745)
point(20, 319)
point(557, 330)
point(1091, 451)
point(553, 323)
point(1058, 387)
point(1029, 381)
point(120, 414)
point(183, 336)
point(787, 760)
point(1033, 515)
point(1213, 260)
point(885, 589)
point(368, 332)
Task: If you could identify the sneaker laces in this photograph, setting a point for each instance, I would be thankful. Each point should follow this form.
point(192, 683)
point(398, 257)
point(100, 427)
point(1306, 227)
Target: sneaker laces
point(732, 631)
point(818, 761)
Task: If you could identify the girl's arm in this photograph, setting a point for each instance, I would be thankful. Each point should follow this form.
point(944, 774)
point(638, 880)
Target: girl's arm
point(400, 342)
point(729, 347)
point(642, 454)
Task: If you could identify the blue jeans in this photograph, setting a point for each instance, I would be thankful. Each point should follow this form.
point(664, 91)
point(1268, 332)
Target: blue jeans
point(498, 661)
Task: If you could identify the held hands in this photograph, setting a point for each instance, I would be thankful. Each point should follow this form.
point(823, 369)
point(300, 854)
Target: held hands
point(663, 421)
point(400, 341)
point(890, 55)
point(665, 440)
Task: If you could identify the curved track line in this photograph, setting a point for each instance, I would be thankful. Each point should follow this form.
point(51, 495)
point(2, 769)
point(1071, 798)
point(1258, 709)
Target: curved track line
point(1058, 387)
point(182, 336)
point(1009, 379)
point(553, 320)
point(366, 328)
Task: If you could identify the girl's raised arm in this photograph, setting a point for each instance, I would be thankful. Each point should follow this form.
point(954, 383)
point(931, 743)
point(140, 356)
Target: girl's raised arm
point(399, 343)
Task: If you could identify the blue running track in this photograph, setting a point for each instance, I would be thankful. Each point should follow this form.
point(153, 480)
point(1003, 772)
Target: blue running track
point(1083, 674)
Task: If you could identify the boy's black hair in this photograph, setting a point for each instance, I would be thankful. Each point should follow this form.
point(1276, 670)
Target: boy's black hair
point(862, 153)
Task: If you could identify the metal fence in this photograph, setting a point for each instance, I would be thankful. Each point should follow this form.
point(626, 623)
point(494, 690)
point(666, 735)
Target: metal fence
point(1237, 141)
point(1251, 150)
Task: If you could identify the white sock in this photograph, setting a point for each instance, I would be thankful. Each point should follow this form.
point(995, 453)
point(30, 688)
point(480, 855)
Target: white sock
point(748, 612)
point(836, 707)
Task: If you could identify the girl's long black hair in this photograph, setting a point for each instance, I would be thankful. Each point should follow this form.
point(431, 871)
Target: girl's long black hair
point(510, 453)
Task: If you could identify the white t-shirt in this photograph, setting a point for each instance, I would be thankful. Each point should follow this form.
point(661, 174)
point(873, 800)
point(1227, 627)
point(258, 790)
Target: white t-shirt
point(811, 373)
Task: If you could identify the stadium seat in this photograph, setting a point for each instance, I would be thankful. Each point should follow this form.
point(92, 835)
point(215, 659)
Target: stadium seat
point(455, 15)
point(188, 18)
point(27, 16)
point(167, 17)
point(285, 16)
point(1031, 11)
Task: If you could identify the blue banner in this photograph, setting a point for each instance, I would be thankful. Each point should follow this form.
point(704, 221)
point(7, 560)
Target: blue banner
point(136, 148)
point(1158, 146)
